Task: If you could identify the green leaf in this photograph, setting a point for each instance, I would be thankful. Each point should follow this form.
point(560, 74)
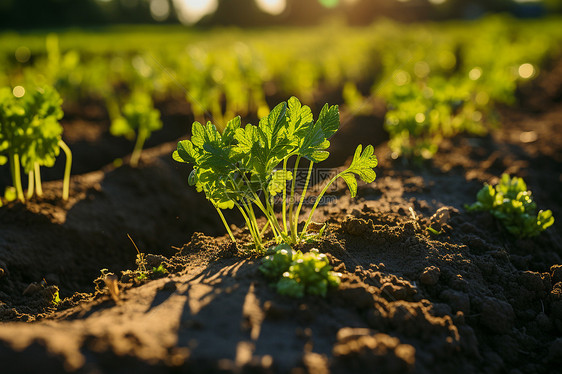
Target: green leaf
point(329, 120)
point(278, 181)
point(351, 183)
point(299, 117)
point(185, 152)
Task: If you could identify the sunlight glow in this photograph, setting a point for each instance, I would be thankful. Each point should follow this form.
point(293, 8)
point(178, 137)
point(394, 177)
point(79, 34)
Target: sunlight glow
point(191, 11)
point(18, 91)
point(272, 6)
point(526, 71)
point(159, 9)
point(437, 2)
point(475, 73)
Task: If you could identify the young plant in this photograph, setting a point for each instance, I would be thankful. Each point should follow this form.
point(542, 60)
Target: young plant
point(246, 167)
point(512, 204)
point(140, 119)
point(296, 274)
point(30, 137)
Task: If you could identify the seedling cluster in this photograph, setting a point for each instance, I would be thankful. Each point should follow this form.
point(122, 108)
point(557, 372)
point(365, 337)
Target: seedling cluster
point(245, 167)
point(512, 204)
point(30, 137)
point(138, 119)
point(295, 274)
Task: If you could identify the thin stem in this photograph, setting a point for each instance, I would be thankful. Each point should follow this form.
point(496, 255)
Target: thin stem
point(292, 200)
point(67, 167)
point(272, 218)
point(252, 226)
point(29, 194)
point(318, 200)
point(141, 137)
point(265, 228)
point(284, 205)
point(38, 186)
point(256, 200)
point(16, 176)
point(225, 224)
point(303, 195)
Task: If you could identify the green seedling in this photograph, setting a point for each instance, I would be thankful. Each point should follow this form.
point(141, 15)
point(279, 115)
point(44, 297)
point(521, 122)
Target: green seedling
point(30, 137)
point(159, 271)
point(246, 167)
point(139, 118)
point(512, 204)
point(296, 274)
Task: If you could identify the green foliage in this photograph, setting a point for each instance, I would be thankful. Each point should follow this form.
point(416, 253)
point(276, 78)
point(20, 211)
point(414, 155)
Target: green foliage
point(30, 126)
point(30, 134)
point(235, 167)
point(296, 274)
point(159, 271)
point(140, 118)
point(512, 204)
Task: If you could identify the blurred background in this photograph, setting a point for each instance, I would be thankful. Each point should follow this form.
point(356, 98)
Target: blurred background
point(26, 14)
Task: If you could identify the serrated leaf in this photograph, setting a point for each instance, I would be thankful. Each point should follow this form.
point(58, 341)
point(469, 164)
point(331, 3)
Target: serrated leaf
point(363, 163)
point(279, 181)
point(329, 120)
point(299, 117)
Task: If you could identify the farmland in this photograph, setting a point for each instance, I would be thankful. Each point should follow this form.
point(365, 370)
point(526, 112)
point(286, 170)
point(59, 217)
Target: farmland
point(194, 248)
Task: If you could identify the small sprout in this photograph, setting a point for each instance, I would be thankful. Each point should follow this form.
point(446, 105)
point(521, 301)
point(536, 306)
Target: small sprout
point(138, 119)
point(511, 203)
point(160, 270)
point(296, 274)
point(433, 231)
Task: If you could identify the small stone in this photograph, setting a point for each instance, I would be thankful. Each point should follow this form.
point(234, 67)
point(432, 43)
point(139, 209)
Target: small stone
point(430, 276)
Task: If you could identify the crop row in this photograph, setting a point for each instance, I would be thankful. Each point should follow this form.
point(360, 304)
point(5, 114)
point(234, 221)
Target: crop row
point(437, 79)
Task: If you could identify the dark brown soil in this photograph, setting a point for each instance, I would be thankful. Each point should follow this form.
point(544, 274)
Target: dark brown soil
point(472, 299)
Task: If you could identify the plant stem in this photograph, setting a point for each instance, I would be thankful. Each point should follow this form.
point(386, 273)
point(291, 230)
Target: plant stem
point(67, 167)
point(318, 200)
point(272, 218)
point(225, 224)
point(29, 194)
point(292, 200)
point(265, 228)
point(284, 205)
point(141, 137)
point(38, 186)
point(253, 228)
point(16, 176)
point(303, 195)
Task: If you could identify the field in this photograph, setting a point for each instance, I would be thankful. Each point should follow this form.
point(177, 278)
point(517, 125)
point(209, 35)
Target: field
point(136, 272)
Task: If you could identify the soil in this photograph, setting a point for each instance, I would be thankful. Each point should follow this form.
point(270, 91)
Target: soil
point(471, 299)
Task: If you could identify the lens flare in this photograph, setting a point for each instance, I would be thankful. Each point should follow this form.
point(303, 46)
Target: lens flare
point(272, 6)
